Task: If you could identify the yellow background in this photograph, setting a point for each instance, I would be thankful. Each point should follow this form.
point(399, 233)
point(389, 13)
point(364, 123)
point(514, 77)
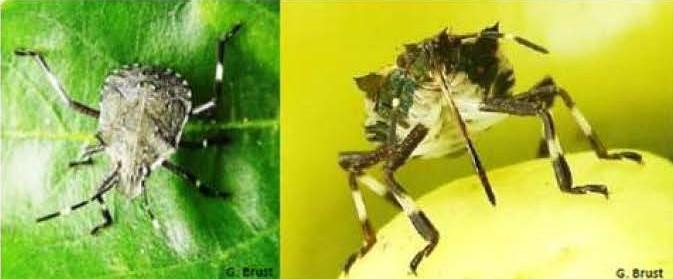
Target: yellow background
point(615, 58)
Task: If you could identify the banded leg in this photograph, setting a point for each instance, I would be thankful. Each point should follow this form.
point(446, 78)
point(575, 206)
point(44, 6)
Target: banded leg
point(355, 163)
point(56, 84)
point(542, 150)
point(107, 184)
point(379, 189)
point(219, 71)
point(418, 218)
point(106, 216)
point(591, 135)
point(545, 91)
point(86, 157)
point(561, 168)
point(368, 233)
point(206, 190)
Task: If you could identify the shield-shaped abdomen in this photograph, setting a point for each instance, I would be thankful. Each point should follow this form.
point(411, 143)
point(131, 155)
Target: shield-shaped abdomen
point(142, 113)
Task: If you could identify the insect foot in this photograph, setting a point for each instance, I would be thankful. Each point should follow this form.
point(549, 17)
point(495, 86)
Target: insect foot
point(629, 155)
point(594, 188)
point(429, 233)
point(366, 247)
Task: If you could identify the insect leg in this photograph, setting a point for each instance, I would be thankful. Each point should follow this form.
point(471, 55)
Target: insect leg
point(85, 158)
point(219, 70)
point(418, 218)
point(545, 91)
point(591, 135)
point(368, 233)
point(56, 84)
point(107, 184)
point(563, 174)
point(561, 168)
point(106, 216)
point(206, 190)
point(89, 150)
point(542, 151)
point(148, 210)
point(355, 163)
point(378, 188)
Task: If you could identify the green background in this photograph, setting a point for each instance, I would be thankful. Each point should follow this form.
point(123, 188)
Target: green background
point(83, 41)
point(614, 57)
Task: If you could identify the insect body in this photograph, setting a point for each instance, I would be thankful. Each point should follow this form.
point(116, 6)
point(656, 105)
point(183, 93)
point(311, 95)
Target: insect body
point(424, 104)
point(143, 111)
point(441, 91)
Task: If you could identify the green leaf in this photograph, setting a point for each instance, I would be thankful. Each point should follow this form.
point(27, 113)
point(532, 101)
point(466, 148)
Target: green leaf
point(200, 237)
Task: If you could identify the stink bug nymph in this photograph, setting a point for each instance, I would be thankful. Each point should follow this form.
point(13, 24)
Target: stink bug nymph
point(143, 110)
point(440, 91)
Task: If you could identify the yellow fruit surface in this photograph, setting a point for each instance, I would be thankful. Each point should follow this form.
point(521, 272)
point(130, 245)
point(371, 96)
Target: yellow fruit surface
point(536, 231)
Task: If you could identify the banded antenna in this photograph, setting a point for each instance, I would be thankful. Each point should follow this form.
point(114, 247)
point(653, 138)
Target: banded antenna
point(507, 36)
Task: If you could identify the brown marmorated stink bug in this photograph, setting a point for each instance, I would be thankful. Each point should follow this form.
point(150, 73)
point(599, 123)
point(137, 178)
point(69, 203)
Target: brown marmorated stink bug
point(143, 110)
point(441, 90)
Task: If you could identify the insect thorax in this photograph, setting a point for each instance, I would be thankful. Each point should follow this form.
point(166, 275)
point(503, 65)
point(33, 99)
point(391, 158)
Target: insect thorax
point(479, 72)
point(143, 112)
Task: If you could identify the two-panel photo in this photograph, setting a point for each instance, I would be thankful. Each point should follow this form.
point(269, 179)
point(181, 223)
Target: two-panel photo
point(344, 139)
